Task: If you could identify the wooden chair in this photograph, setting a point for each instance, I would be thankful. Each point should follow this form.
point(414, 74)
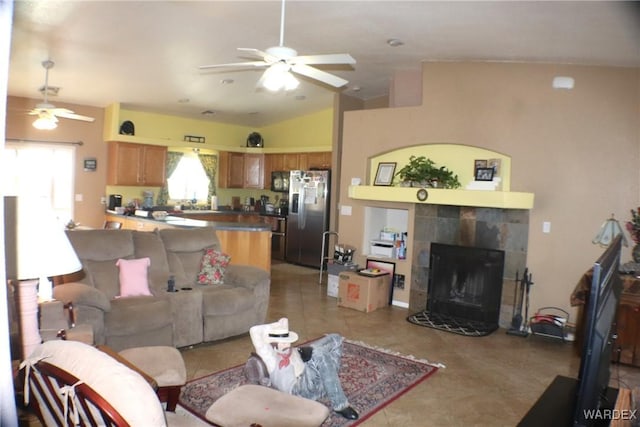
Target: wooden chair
point(112, 225)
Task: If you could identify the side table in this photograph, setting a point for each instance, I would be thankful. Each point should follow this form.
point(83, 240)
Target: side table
point(627, 346)
point(55, 324)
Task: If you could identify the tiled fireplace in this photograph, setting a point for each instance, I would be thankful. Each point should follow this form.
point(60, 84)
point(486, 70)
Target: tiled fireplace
point(493, 228)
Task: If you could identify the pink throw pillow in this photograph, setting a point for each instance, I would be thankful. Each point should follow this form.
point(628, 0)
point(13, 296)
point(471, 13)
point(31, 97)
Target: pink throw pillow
point(133, 277)
point(212, 267)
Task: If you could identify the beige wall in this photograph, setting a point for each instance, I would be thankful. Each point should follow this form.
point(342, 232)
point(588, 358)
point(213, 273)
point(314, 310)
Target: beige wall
point(91, 185)
point(577, 150)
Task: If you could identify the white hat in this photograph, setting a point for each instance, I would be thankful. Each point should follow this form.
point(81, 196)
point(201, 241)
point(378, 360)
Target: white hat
point(281, 333)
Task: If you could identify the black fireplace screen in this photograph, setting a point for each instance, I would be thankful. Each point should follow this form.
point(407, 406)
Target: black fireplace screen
point(466, 283)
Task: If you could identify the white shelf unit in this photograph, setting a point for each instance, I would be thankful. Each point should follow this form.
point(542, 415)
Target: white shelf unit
point(376, 219)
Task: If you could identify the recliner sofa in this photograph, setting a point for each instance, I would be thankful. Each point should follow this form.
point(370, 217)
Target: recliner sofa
point(186, 317)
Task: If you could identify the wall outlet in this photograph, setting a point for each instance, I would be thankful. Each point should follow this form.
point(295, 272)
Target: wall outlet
point(546, 227)
point(103, 200)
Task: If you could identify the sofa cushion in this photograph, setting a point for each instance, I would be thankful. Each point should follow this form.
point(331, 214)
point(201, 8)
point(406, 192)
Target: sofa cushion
point(103, 275)
point(224, 300)
point(212, 267)
point(133, 277)
point(134, 315)
point(98, 245)
point(184, 251)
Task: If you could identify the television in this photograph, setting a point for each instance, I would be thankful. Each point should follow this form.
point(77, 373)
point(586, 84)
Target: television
point(599, 335)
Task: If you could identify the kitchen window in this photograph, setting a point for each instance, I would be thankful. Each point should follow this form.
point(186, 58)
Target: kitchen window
point(189, 180)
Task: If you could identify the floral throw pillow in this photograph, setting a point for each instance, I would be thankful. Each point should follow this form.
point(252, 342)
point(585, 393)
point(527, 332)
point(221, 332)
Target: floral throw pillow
point(212, 267)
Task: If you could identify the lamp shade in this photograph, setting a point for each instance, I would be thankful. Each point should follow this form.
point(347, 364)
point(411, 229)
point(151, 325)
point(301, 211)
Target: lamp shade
point(43, 249)
point(608, 231)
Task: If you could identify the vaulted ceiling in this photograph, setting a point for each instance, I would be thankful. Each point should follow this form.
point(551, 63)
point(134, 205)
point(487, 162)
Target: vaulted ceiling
point(145, 54)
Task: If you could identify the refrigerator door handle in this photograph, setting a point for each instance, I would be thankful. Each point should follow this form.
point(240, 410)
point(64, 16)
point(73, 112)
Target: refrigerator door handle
point(302, 211)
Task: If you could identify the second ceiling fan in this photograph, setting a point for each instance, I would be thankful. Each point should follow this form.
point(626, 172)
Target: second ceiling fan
point(281, 61)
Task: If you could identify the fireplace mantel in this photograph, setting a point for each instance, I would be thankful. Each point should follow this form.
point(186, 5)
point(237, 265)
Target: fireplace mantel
point(440, 196)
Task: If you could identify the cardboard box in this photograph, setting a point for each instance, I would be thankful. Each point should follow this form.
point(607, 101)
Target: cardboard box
point(332, 285)
point(363, 293)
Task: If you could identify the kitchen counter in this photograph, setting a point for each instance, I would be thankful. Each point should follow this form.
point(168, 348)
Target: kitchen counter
point(247, 243)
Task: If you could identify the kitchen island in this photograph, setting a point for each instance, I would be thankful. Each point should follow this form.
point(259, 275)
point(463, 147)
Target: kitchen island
point(247, 243)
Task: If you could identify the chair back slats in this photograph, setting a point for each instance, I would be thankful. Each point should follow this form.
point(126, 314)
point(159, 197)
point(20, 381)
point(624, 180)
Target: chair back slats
point(48, 385)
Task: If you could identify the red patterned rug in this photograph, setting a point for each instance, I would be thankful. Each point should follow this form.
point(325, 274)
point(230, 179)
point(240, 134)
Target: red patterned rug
point(371, 379)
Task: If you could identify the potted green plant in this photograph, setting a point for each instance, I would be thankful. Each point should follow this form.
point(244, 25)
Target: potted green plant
point(421, 171)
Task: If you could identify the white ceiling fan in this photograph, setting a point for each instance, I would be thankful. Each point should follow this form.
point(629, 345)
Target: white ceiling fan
point(282, 60)
point(47, 113)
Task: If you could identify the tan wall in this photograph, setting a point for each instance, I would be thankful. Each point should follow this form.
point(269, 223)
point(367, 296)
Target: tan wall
point(91, 185)
point(577, 150)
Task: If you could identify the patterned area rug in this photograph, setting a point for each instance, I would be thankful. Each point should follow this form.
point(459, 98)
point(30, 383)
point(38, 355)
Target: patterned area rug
point(454, 325)
point(371, 378)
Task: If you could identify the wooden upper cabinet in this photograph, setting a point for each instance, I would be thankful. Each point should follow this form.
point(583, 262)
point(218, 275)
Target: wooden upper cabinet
point(254, 171)
point(319, 160)
point(238, 170)
point(290, 161)
point(136, 164)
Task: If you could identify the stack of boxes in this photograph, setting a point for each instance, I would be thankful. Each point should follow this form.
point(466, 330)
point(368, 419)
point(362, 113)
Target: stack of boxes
point(342, 261)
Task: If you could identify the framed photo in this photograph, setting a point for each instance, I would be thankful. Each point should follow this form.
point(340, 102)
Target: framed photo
point(384, 175)
point(484, 174)
point(90, 164)
point(477, 164)
point(495, 164)
point(390, 267)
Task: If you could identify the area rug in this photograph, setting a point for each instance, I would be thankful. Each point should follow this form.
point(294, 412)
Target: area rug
point(371, 378)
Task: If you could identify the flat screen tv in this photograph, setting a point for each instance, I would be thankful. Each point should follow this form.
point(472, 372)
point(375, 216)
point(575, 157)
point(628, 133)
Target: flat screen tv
point(599, 332)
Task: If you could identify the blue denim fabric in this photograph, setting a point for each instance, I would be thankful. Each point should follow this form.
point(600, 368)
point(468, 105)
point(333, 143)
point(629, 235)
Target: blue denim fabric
point(320, 376)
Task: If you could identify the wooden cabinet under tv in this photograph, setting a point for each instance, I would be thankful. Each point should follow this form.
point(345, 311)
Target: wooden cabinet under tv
point(626, 349)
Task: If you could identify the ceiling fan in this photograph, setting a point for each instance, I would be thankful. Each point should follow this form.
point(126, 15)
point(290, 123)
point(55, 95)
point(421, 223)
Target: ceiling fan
point(47, 113)
point(281, 61)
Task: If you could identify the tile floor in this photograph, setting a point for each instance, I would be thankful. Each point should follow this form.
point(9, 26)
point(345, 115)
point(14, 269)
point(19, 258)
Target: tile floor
point(490, 381)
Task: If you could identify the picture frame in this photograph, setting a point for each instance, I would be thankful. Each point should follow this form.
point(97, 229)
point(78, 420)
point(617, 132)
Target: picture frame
point(484, 174)
point(479, 163)
point(384, 174)
point(90, 164)
point(495, 164)
point(387, 266)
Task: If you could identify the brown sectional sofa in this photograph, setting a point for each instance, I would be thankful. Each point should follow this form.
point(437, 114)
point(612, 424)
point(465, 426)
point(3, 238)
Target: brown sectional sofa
point(183, 318)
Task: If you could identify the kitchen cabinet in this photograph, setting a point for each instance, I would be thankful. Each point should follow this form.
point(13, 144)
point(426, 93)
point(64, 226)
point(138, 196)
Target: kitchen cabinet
point(290, 161)
point(316, 160)
point(240, 170)
point(136, 164)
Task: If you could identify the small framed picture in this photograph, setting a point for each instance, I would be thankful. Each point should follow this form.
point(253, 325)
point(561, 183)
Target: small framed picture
point(479, 164)
point(90, 164)
point(495, 164)
point(384, 174)
point(484, 174)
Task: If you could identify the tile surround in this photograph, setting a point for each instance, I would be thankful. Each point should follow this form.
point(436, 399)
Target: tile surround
point(494, 228)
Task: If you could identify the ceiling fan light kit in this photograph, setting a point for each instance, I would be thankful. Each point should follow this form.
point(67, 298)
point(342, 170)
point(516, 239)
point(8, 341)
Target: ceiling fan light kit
point(45, 123)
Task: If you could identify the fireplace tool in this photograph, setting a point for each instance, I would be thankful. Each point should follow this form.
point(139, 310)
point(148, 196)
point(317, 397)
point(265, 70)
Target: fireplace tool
point(520, 298)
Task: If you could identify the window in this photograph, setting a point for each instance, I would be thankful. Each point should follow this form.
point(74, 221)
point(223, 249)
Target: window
point(188, 181)
point(41, 170)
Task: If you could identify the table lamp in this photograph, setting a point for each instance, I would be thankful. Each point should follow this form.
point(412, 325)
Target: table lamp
point(43, 251)
point(608, 231)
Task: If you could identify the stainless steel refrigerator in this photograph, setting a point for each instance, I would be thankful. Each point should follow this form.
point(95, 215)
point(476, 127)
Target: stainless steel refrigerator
point(308, 216)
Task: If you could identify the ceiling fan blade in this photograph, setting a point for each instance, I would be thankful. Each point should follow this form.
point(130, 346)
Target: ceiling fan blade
point(259, 54)
point(68, 114)
point(335, 58)
point(320, 75)
point(251, 64)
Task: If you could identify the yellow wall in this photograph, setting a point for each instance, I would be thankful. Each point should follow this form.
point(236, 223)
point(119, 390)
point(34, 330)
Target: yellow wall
point(313, 130)
point(578, 151)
